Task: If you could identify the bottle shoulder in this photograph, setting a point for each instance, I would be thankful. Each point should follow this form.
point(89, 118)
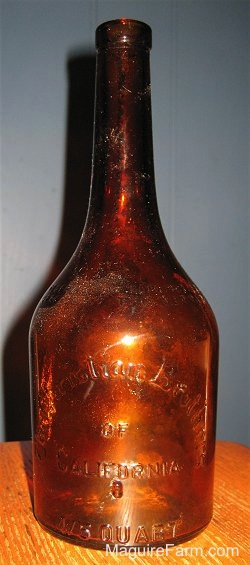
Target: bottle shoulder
point(150, 288)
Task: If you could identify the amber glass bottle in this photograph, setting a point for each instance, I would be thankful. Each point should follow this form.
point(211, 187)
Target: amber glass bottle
point(123, 346)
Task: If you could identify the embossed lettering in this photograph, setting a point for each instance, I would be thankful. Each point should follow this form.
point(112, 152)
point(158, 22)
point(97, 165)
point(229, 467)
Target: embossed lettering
point(158, 532)
point(109, 469)
point(123, 534)
point(123, 471)
point(120, 533)
point(165, 378)
point(74, 527)
point(141, 535)
point(171, 527)
point(165, 531)
point(137, 471)
point(106, 532)
point(117, 489)
point(122, 428)
point(107, 430)
point(114, 430)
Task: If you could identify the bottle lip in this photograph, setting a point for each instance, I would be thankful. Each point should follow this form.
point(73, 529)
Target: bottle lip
point(123, 32)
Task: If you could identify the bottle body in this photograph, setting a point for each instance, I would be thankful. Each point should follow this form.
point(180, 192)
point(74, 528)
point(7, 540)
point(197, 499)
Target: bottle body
point(125, 409)
point(123, 351)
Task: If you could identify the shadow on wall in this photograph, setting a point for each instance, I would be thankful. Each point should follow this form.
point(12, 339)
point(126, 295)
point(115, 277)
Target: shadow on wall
point(81, 71)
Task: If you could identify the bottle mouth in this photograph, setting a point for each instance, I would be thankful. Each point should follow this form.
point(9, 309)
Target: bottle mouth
point(123, 32)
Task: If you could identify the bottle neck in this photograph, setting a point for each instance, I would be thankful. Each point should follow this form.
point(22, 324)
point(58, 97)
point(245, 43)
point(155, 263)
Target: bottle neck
point(123, 186)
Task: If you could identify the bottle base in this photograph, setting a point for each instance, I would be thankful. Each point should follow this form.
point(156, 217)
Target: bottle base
point(111, 547)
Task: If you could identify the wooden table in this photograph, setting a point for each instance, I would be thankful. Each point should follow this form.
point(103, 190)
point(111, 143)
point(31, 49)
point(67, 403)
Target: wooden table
point(226, 539)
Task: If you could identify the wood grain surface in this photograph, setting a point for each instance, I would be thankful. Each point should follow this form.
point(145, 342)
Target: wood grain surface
point(226, 539)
